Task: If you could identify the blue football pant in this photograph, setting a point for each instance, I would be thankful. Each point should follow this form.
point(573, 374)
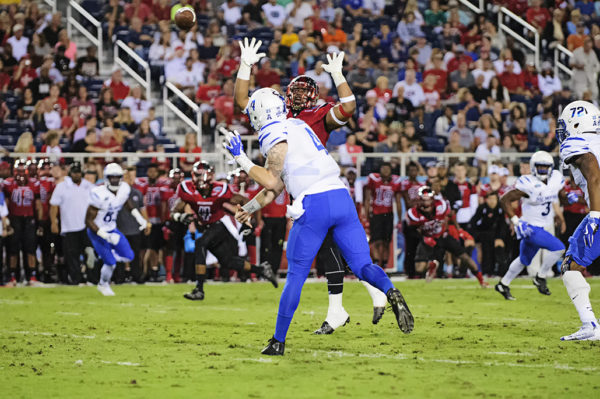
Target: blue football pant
point(335, 211)
point(107, 251)
point(538, 239)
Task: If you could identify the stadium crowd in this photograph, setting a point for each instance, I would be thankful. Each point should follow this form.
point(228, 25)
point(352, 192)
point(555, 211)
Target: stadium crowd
point(428, 76)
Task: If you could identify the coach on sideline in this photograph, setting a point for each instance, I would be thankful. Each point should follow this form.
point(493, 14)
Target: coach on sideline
point(72, 197)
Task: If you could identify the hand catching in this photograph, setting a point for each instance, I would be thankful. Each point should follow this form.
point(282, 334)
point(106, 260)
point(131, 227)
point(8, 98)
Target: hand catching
point(335, 63)
point(250, 54)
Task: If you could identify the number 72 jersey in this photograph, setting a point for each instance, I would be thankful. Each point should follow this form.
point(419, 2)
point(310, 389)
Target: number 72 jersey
point(108, 204)
point(537, 208)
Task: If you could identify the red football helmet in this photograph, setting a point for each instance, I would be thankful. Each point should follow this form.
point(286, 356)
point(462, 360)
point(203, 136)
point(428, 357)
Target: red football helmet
point(176, 175)
point(426, 199)
point(32, 168)
point(44, 167)
point(301, 93)
point(20, 172)
point(202, 174)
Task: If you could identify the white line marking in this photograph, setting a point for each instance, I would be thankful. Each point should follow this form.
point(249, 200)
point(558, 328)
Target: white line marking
point(259, 360)
point(49, 334)
point(121, 363)
point(14, 302)
point(68, 313)
point(511, 353)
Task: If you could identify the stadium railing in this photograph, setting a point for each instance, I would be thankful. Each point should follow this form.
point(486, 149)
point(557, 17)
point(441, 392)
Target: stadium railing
point(72, 22)
point(562, 53)
point(52, 4)
point(196, 125)
point(145, 81)
point(477, 6)
point(506, 18)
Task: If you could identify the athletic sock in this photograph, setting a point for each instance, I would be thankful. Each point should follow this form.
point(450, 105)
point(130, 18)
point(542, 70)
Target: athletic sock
point(550, 260)
point(579, 292)
point(200, 281)
point(479, 276)
point(378, 297)
point(336, 314)
point(375, 276)
point(106, 274)
point(169, 265)
point(515, 268)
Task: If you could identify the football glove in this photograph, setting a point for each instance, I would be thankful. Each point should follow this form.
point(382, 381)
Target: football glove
point(249, 51)
point(430, 241)
point(523, 229)
point(572, 198)
point(590, 229)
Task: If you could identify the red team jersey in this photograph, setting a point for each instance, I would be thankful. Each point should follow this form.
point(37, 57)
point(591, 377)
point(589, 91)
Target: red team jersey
point(382, 193)
point(152, 198)
point(46, 187)
point(486, 189)
point(411, 188)
point(576, 207)
point(21, 199)
point(466, 190)
point(167, 195)
point(431, 227)
point(209, 209)
point(277, 208)
point(315, 118)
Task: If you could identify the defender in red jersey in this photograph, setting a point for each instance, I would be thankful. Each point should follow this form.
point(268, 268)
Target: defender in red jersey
point(173, 232)
point(430, 216)
point(150, 187)
point(213, 203)
point(23, 197)
point(46, 238)
point(409, 190)
point(301, 99)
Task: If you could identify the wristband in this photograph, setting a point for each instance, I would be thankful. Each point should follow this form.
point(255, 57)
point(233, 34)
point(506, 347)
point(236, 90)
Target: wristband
point(595, 214)
point(176, 217)
point(343, 112)
point(252, 206)
point(244, 71)
point(338, 78)
point(339, 122)
point(515, 220)
point(347, 99)
point(244, 162)
point(139, 218)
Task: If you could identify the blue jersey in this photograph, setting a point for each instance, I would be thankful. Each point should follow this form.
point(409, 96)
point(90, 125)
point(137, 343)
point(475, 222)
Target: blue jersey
point(537, 206)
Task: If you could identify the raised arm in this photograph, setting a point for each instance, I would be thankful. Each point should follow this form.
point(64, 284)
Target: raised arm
point(342, 112)
point(249, 57)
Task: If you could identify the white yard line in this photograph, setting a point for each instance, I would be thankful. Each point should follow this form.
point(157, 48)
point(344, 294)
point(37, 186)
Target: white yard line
point(68, 313)
point(49, 334)
point(511, 353)
point(14, 302)
point(259, 360)
point(121, 363)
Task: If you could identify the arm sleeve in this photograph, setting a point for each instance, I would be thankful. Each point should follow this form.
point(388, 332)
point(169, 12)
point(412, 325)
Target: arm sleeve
point(524, 184)
point(95, 199)
point(572, 147)
point(412, 218)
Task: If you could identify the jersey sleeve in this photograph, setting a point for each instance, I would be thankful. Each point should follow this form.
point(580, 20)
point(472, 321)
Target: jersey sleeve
point(183, 192)
point(95, 199)
point(525, 184)
point(274, 134)
point(558, 180)
point(371, 181)
point(413, 218)
point(572, 147)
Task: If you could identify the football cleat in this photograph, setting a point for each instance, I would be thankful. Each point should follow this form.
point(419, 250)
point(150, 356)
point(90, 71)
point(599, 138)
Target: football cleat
point(274, 348)
point(377, 313)
point(326, 328)
point(484, 284)
point(105, 290)
point(267, 273)
point(588, 332)
point(405, 319)
point(540, 283)
point(504, 291)
point(196, 295)
point(431, 270)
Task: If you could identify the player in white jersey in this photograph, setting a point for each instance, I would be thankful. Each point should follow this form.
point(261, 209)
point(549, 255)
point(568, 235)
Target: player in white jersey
point(298, 161)
point(578, 132)
point(539, 193)
point(101, 219)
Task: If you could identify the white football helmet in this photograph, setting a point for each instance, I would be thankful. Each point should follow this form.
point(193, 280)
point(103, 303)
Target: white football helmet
point(113, 176)
point(541, 164)
point(577, 118)
point(265, 106)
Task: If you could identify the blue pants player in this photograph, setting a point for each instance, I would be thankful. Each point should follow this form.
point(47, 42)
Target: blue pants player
point(297, 160)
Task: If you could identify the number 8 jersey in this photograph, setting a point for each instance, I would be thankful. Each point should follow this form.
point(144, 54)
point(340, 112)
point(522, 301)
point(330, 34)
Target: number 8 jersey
point(108, 204)
point(537, 208)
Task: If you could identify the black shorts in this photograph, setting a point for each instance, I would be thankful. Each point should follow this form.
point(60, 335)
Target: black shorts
point(155, 239)
point(217, 239)
point(24, 236)
point(176, 233)
point(425, 253)
point(382, 227)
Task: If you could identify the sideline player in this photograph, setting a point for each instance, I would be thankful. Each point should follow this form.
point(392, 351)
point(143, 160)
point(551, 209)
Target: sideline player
point(44, 233)
point(210, 200)
point(577, 132)
point(297, 161)
point(301, 99)
point(101, 219)
point(539, 192)
point(173, 231)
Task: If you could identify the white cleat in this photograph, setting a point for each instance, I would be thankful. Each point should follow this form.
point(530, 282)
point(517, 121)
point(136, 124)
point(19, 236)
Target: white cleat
point(105, 290)
point(588, 332)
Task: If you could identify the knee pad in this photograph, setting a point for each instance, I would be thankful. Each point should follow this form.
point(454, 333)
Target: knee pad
point(575, 282)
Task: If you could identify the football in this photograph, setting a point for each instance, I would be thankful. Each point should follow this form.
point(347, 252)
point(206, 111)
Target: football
point(185, 18)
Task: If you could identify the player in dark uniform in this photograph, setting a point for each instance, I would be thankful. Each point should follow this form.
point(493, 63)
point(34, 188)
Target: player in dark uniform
point(45, 236)
point(213, 202)
point(173, 231)
point(301, 99)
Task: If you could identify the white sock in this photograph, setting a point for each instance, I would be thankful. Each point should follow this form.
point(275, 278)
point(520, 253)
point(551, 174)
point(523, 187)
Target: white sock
point(550, 259)
point(515, 268)
point(579, 292)
point(378, 297)
point(336, 314)
point(106, 274)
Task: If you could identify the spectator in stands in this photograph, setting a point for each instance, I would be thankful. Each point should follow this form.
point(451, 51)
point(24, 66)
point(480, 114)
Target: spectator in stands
point(56, 100)
point(87, 66)
point(412, 90)
point(538, 16)
point(190, 146)
point(487, 150)
point(138, 9)
point(232, 13)
point(176, 63)
point(573, 22)
point(554, 33)
point(226, 64)
point(274, 14)
point(23, 74)
point(267, 76)
point(335, 36)
point(85, 106)
point(519, 134)
point(137, 103)
point(50, 32)
point(511, 80)
point(586, 7)
point(19, 42)
point(39, 49)
point(224, 104)
point(108, 142)
point(585, 69)
point(486, 127)
point(462, 77)
point(161, 10)
point(252, 14)
point(289, 37)
point(144, 140)
point(51, 143)
point(347, 149)
point(506, 59)
point(464, 132)
point(5, 79)
point(575, 40)
point(26, 105)
point(69, 45)
point(119, 88)
point(107, 106)
point(81, 133)
point(187, 80)
point(138, 40)
point(52, 116)
point(445, 122)
point(206, 95)
point(71, 122)
point(408, 28)
point(25, 143)
point(125, 121)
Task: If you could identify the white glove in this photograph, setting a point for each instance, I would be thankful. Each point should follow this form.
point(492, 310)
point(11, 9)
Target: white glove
point(111, 238)
point(335, 63)
point(249, 56)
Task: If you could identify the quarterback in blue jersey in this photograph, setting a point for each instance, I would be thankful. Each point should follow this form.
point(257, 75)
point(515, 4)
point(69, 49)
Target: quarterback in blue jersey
point(298, 161)
point(578, 132)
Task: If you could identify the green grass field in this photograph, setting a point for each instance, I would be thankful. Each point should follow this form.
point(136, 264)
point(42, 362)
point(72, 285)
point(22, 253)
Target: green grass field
point(70, 342)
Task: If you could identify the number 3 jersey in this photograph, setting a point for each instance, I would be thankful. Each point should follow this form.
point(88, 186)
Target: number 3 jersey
point(209, 209)
point(308, 168)
point(109, 204)
point(537, 208)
